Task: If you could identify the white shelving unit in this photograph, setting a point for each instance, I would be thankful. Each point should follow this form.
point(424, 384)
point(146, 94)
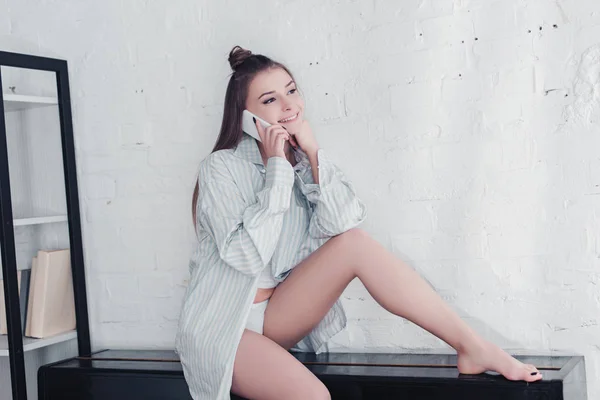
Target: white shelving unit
point(20, 102)
point(39, 151)
point(16, 102)
point(32, 344)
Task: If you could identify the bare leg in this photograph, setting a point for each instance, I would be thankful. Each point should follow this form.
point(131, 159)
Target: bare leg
point(263, 370)
point(304, 298)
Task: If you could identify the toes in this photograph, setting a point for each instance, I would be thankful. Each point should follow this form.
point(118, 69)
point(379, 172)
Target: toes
point(531, 373)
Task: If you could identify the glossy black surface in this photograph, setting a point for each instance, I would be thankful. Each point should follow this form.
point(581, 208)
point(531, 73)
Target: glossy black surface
point(157, 374)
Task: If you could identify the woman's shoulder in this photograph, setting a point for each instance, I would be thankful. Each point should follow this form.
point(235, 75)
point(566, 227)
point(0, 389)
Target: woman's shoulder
point(217, 158)
point(217, 164)
point(214, 161)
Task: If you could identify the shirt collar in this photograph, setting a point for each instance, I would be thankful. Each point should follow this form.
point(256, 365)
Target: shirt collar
point(247, 149)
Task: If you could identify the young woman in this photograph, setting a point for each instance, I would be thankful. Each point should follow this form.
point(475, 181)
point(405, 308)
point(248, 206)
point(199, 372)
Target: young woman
point(278, 243)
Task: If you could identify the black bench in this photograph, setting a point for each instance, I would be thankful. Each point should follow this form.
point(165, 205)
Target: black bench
point(157, 374)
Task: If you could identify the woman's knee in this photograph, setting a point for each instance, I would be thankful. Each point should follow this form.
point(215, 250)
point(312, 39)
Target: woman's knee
point(353, 239)
point(356, 233)
point(316, 390)
point(262, 369)
point(320, 392)
point(354, 245)
point(353, 235)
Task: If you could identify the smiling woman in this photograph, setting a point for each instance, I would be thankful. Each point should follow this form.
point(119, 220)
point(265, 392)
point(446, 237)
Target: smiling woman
point(278, 243)
point(259, 209)
point(273, 96)
point(251, 73)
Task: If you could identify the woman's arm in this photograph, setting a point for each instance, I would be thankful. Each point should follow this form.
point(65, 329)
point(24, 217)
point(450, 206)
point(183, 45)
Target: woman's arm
point(336, 205)
point(245, 234)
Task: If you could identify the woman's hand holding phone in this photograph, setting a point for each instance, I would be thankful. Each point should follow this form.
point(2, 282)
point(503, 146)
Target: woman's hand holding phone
point(273, 139)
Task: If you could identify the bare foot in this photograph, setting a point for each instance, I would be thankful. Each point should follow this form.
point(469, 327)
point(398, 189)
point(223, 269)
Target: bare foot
point(486, 356)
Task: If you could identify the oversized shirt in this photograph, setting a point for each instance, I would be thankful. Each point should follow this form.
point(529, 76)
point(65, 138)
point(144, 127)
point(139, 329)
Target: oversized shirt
point(250, 217)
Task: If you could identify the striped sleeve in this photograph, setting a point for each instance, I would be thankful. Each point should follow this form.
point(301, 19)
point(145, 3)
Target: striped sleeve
point(245, 232)
point(336, 205)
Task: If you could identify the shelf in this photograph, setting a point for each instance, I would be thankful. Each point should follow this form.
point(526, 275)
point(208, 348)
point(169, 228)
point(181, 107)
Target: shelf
point(39, 220)
point(15, 102)
point(32, 344)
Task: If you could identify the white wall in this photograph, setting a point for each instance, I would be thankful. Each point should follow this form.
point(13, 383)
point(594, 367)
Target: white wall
point(470, 129)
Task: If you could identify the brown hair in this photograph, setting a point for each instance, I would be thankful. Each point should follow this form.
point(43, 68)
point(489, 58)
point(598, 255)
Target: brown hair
point(245, 66)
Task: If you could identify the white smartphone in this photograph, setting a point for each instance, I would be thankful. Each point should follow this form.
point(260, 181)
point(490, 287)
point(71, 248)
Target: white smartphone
point(249, 126)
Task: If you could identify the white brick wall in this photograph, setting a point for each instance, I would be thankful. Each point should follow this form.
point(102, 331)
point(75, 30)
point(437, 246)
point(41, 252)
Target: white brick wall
point(476, 124)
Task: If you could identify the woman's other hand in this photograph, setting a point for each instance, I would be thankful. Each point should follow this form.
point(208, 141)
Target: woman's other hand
point(305, 138)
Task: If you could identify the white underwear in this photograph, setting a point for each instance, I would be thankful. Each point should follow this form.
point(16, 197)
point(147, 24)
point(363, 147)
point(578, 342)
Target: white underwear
point(256, 319)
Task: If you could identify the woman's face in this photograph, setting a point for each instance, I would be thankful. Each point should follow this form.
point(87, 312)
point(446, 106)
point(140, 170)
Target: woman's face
point(273, 96)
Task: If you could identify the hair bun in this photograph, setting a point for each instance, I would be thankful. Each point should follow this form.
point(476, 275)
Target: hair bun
point(237, 56)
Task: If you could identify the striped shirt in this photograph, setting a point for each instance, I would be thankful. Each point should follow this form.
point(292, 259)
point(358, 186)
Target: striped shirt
point(250, 218)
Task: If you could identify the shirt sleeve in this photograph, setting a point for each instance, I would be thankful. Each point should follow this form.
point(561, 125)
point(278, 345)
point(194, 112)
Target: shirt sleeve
point(245, 232)
point(336, 207)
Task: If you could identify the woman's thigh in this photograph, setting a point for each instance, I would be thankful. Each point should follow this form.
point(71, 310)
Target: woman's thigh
point(301, 301)
point(263, 370)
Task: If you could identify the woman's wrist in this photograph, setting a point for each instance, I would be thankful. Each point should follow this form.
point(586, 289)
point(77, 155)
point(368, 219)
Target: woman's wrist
point(311, 153)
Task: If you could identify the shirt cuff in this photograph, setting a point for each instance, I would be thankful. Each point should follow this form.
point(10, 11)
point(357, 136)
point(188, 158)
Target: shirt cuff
point(326, 172)
point(279, 172)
